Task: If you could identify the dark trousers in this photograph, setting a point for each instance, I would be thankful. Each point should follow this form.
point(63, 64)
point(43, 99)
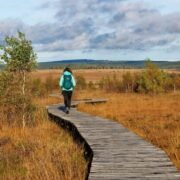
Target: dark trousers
point(67, 98)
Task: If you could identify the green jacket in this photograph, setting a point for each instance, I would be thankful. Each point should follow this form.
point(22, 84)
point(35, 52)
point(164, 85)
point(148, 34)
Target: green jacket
point(62, 79)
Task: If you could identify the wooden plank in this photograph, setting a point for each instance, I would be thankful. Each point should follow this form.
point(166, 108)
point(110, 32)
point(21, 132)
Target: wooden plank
point(117, 152)
point(88, 101)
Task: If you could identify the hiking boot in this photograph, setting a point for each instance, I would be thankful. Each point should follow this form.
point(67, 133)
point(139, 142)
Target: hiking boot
point(67, 110)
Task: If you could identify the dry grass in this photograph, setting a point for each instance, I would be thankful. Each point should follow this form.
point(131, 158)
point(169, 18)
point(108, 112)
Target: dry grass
point(48, 152)
point(155, 118)
point(93, 75)
point(44, 74)
point(88, 74)
point(42, 152)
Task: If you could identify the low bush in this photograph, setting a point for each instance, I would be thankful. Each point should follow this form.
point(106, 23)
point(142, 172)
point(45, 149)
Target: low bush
point(150, 81)
point(80, 82)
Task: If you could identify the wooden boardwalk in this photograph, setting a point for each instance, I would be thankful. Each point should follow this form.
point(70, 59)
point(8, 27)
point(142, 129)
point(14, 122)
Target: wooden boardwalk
point(118, 154)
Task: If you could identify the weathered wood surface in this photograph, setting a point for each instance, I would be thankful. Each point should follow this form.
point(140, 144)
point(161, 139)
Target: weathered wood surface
point(88, 101)
point(117, 152)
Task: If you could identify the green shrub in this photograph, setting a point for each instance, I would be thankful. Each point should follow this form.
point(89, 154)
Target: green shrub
point(37, 88)
point(20, 59)
point(13, 103)
point(152, 80)
point(173, 83)
point(129, 82)
point(110, 84)
point(81, 82)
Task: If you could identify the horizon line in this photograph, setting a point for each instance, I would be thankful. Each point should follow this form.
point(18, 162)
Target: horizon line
point(107, 60)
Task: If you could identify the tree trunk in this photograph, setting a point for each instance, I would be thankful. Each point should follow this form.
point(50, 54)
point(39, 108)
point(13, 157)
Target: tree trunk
point(23, 94)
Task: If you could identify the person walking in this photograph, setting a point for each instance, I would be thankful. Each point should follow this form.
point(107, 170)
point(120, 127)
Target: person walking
point(67, 84)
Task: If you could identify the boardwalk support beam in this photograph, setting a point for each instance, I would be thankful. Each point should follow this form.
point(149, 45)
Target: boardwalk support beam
point(73, 131)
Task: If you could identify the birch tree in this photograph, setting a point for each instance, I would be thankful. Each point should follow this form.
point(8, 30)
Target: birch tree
point(20, 59)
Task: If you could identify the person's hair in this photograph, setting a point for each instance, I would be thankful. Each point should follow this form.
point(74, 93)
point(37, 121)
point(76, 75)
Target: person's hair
point(68, 69)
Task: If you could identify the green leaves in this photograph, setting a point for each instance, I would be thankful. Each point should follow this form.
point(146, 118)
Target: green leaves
point(19, 59)
point(18, 54)
point(152, 80)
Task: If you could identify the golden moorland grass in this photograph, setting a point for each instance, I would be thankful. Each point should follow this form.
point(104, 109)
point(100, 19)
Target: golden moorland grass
point(93, 75)
point(47, 151)
point(155, 118)
point(44, 151)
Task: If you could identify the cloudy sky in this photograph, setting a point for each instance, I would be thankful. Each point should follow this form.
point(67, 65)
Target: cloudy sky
point(96, 29)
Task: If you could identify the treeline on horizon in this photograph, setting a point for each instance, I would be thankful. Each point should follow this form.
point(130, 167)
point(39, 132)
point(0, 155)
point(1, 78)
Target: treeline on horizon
point(103, 64)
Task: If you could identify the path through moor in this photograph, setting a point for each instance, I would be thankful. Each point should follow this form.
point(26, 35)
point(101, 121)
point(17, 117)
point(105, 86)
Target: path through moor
point(117, 153)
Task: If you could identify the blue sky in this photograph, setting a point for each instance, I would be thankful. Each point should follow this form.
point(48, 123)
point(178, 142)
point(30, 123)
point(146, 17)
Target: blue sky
point(96, 29)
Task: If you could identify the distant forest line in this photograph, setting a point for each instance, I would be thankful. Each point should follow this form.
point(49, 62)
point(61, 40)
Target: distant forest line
point(103, 64)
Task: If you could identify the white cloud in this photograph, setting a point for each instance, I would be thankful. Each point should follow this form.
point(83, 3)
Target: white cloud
point(99, 24)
